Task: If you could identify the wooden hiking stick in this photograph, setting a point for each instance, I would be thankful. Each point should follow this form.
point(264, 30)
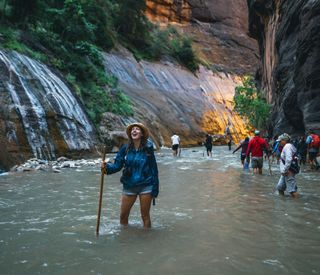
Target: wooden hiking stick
point(101, 192)
point(269, 162)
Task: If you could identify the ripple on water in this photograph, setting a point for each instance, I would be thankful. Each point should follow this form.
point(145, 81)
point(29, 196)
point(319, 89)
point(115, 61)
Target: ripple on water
point(39, 230)
point(6, 203)
point(87, 218)
point(37, 221)
point(184, 168)
point(69, 233)
point(220, 203)
point(273, 262)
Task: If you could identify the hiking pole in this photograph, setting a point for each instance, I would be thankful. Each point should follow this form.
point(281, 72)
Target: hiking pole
point(269, 162)
point(101, 192)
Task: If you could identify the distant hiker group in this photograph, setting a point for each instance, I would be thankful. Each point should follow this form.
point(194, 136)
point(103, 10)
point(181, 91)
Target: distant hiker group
point(290, 154)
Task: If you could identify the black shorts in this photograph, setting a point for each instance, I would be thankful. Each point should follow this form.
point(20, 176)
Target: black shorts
point(243, 156)
point(175, 147)
point(313, 155)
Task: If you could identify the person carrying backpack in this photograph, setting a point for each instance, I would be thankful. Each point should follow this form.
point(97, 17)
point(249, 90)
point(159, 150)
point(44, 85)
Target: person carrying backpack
point(287, 181)
point(140, 173)
point(313, 142)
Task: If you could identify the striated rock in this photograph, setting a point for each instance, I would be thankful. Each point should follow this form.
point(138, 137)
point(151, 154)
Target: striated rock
point(112, 130)
point(289, 41)
point(171, 100)
point(219, 30)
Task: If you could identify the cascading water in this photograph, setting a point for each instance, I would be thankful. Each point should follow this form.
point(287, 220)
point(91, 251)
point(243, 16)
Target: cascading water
point(38, 95)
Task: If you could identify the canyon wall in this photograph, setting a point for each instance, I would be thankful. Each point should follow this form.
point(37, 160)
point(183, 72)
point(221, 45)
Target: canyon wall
point(170, 99)
point(289, 43)
point(219, 30)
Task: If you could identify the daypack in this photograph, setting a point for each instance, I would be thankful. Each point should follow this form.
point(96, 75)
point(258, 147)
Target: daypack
point(315, 143)
point(294, 166)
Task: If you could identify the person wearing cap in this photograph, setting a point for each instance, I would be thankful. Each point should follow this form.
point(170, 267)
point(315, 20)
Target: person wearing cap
point(287, 181)
point(140, 173)
point(256, 147)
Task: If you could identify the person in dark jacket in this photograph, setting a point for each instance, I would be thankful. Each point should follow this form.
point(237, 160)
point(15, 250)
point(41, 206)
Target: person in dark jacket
point(244, 146)
point(302, 149)
point(208, 145)
point(140, 173)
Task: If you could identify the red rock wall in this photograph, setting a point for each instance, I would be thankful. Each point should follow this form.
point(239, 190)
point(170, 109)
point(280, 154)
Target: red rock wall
point(219, 30)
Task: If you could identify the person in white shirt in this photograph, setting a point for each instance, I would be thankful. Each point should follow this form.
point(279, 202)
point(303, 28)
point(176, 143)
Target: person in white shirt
point(175, 140)
point(287, 181)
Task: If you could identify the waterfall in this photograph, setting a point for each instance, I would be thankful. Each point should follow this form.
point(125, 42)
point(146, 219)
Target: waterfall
point(38, 95)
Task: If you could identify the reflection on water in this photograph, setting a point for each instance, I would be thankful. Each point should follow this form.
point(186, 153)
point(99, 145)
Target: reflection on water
point(211, 218)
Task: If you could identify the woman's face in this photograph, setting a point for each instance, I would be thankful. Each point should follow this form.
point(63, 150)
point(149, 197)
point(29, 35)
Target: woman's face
point(136, 133)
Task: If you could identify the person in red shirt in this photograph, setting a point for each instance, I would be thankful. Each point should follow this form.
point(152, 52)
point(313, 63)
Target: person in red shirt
point(256, 147)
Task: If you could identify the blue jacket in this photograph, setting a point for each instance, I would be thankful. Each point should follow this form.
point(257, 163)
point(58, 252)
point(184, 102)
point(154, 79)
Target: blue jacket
point(140, 167)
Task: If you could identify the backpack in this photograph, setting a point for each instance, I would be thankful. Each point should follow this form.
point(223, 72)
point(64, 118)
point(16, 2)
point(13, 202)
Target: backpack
point(315, 143)
point(294, 166)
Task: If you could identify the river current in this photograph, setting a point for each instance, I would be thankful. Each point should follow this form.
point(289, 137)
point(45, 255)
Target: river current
point(211, 217)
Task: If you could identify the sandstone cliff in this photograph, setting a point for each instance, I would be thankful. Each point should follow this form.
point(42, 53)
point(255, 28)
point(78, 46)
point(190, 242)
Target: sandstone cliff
point(219, 30)
point(171, 100)
point(289, 42)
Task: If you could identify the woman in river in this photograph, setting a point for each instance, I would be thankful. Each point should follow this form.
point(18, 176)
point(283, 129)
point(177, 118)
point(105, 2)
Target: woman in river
point(140, 173)
point(287, 181)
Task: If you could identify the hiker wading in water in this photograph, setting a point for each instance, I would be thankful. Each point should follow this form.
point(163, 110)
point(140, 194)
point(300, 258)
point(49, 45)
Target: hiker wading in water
point(244, 146)
point(287, 181)
point(140, 173)
point(256, 147)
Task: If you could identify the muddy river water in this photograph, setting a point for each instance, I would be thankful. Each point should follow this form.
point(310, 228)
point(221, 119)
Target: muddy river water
point(211, 217)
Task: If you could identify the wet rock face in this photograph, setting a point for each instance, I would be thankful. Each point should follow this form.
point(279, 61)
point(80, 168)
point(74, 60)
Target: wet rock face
point(289, 40)
point(39, 115)
point(219, 30)
point(171, 100)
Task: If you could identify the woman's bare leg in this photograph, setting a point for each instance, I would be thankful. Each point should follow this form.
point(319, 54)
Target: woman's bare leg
point(145, 204)
point(126, 205)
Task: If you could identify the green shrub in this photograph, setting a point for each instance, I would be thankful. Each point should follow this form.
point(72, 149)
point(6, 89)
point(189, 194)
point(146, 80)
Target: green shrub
point(250, 104)
point(181, 48)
